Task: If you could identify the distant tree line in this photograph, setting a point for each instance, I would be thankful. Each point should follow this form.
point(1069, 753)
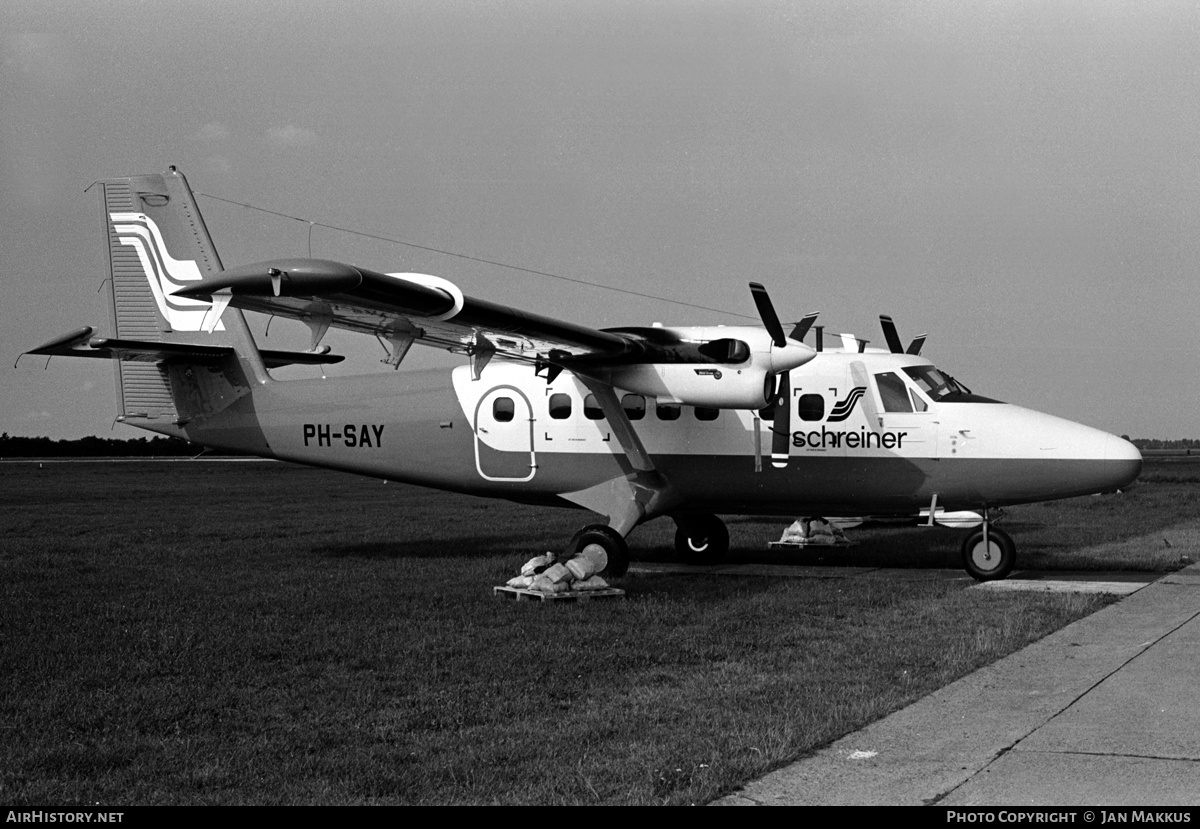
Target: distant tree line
point(94, 447)
point(1155, 443)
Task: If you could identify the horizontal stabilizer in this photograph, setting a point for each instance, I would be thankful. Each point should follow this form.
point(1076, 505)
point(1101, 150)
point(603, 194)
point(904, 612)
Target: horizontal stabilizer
point(65, 342)
point(81, 343)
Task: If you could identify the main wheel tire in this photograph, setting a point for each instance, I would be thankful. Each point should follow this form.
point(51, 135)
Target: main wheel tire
point(602, 540)
point(702, 539)
point(992, 561)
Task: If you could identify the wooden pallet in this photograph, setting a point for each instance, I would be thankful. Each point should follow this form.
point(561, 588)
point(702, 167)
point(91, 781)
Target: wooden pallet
point(520, 594)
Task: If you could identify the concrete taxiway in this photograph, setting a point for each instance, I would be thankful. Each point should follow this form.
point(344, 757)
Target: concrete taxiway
point(1100, 713)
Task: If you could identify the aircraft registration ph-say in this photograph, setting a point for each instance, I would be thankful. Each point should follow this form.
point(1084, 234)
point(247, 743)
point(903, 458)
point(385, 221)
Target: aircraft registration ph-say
point(630, 423)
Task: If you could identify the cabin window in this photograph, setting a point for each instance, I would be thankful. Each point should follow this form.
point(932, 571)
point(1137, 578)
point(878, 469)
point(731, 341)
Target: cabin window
point(667, 411)
point(812, 407)
point(705, 413)
point(560, 406)
point(893, 393)
point(634, 406)
point(503, 409)
point(591, 408)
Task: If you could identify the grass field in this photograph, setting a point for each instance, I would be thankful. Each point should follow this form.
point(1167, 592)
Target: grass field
point(177, 633)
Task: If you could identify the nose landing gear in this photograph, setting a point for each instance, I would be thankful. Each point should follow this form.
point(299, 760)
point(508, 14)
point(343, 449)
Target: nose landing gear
point(988, 554)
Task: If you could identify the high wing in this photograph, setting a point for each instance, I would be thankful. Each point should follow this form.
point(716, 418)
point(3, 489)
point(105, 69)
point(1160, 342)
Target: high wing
point(405, 308)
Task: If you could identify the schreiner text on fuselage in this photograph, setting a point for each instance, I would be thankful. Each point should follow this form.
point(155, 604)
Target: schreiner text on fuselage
point(864, 438)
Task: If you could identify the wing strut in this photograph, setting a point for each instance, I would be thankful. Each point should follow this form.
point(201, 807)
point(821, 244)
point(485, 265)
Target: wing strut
point(638, 496)
point(627, 436)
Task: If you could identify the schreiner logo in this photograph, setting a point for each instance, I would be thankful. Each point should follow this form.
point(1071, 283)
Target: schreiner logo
point(864, 438)
point(712, 372)
point(844, 408)
point(164, 273)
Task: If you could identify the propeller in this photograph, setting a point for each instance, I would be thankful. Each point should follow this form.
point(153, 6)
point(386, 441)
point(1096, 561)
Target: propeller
point(788, 352)
point(801, 329)
point(781, 425)
point(766, 310)
point(893, 338)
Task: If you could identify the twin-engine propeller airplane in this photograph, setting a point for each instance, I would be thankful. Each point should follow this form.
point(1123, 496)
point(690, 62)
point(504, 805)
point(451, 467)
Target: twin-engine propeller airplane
point(630, 423)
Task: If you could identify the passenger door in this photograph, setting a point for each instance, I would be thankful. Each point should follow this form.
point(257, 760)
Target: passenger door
point(504, 425)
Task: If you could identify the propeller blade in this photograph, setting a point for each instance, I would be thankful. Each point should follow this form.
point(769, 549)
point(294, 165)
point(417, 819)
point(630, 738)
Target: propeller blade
point(781, 426)
point(914, 348)
point(767, 311)
point(802, 327)
point(889, 334)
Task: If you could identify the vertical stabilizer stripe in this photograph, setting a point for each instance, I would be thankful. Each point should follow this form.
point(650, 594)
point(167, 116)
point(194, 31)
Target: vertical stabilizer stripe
point(143, 388)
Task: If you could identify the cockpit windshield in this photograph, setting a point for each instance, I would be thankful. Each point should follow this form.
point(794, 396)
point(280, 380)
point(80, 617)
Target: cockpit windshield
point(936, 384)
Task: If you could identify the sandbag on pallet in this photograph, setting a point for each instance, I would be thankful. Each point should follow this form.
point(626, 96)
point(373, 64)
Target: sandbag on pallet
point(815, 531)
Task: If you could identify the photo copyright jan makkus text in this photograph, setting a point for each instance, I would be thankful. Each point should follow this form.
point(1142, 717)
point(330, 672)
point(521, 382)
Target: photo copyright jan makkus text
point(1090, 816)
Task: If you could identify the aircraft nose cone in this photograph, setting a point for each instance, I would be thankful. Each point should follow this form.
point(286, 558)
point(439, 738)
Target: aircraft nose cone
point(1124, 459)
point(1119, 449)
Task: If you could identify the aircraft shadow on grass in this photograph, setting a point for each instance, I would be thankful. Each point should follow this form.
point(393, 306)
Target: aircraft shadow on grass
point(877, 553)
point(491, 546)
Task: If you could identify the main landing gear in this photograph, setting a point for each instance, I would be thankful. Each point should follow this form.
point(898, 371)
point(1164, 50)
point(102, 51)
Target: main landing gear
point(601, 542)
point(988, 554)
point(701, 539)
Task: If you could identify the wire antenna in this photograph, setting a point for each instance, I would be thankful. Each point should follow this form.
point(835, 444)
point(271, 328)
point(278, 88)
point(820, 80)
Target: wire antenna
point(378, 237)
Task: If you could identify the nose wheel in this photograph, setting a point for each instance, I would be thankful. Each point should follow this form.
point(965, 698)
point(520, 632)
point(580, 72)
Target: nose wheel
point(990, 559)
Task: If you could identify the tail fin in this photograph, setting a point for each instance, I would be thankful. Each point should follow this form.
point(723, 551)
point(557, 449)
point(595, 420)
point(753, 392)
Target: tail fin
point(157, 242)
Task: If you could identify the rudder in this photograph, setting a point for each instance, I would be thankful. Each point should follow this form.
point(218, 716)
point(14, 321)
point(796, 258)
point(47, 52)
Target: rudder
point(157, 242)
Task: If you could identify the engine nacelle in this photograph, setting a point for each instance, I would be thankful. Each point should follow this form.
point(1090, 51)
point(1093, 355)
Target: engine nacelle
point(711, 385)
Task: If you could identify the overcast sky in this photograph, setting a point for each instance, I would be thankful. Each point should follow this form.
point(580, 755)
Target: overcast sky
point(1021, 180)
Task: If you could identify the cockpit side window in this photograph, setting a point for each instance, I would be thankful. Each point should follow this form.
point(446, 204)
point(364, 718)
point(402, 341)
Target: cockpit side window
point(940, 386)
point(934, 383)
point(893, 393)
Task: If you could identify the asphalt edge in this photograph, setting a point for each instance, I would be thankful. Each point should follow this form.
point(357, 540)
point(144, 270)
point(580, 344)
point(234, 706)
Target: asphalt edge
point(924, 752)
